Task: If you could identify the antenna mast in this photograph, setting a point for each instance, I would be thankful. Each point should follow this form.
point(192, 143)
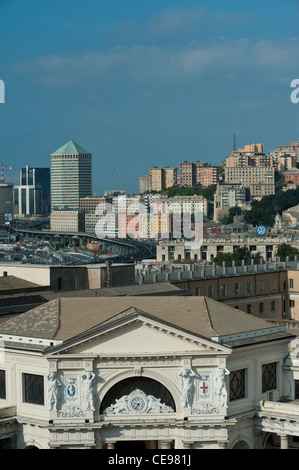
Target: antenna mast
point(234, 143)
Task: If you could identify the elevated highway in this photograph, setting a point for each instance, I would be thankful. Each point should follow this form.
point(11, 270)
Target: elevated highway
point(122, 248)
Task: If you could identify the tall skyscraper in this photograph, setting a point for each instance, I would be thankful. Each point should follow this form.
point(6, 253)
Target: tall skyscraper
point(71, 176)
point(6, 201)
point(33, 193)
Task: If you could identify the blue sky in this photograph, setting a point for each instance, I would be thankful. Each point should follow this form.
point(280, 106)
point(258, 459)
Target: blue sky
point(143, 83)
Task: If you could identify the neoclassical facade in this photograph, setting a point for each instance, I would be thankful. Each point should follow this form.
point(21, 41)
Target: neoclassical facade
point(146, 372)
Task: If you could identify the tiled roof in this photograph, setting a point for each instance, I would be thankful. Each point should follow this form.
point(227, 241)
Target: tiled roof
point(66, 318)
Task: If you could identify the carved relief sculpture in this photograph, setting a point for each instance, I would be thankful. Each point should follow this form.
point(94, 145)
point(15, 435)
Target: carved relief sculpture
point(138, 402)
point(221, 386)
point(186, 376)
point(71, 389)
point(88, 381)
point(53, 391)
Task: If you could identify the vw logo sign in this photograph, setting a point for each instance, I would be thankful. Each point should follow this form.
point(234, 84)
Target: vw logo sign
point(261, 230)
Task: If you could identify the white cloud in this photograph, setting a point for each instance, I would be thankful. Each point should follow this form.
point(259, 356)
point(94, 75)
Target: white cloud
point(175, 20)
point(144, 64)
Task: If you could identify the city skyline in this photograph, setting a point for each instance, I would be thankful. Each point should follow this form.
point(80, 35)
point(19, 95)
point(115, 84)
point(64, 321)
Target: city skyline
point(145, 85)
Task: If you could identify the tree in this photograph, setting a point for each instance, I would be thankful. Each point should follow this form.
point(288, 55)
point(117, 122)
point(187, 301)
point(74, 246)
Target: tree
point(285, 250)
point(221, 257)
point(241, 253)
point(263, 212)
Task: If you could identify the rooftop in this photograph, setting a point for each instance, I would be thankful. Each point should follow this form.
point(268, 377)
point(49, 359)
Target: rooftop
point(72, 148)
point(13, 283)
point(66, 318)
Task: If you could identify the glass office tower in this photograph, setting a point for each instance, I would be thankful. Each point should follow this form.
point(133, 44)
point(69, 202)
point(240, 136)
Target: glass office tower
point(33, 193)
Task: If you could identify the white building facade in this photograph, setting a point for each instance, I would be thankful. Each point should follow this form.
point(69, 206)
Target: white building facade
point(154, 373)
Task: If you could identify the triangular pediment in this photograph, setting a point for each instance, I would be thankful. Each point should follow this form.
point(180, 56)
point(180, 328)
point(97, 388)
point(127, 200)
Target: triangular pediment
point(138, 334)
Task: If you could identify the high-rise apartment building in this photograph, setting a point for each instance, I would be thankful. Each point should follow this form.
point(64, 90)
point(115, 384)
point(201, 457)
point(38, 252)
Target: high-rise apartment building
point(254, 148)
point(292, 148)
point(284, 161)
point(188, 176)
point(144, 184)
point(192, 173)
point(71, 176)
point(92, 204)
point(260, 180)
point(162, 178)
point(237, 159)
point(207, 175)
point(33, 193)
point(187, 204)
point(67, 221)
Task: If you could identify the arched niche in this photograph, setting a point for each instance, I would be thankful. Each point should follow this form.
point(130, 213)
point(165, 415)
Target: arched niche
point(136, 391)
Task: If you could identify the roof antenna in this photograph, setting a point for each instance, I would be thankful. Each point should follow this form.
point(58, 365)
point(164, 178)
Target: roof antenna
point(234, 143)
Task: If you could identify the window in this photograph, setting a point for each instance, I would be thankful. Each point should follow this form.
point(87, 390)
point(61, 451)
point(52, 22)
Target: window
point(249, 287)
point(291, 283)
point(261, 307)
point(2, 384)
point(292, 303)
point(196, 291)
point(34, 389)
point(249, 308)
point(237, 288)
point(223, 290)
point(210, 291)
point(237, 384)
point(296, 389)
point(261, 285)
point(272, 305)
point(273, 283)
point(269, 376)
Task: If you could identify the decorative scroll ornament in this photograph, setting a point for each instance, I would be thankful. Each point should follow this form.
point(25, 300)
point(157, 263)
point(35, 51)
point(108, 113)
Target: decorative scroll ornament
point(72, 412)
point(205, 408)
point(138, 402)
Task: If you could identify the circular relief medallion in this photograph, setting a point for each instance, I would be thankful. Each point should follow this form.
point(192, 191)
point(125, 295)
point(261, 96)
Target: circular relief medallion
point(71, 390)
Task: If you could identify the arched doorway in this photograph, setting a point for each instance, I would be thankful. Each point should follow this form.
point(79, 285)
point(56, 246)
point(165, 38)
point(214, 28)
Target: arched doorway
point(272, 441)
point(240, 445)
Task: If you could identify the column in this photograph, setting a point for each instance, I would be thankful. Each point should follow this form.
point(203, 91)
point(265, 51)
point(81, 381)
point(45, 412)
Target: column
point(284, 441)
point(258, 439)
point(110, 445)
point(165, 444)
point(14, 442)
